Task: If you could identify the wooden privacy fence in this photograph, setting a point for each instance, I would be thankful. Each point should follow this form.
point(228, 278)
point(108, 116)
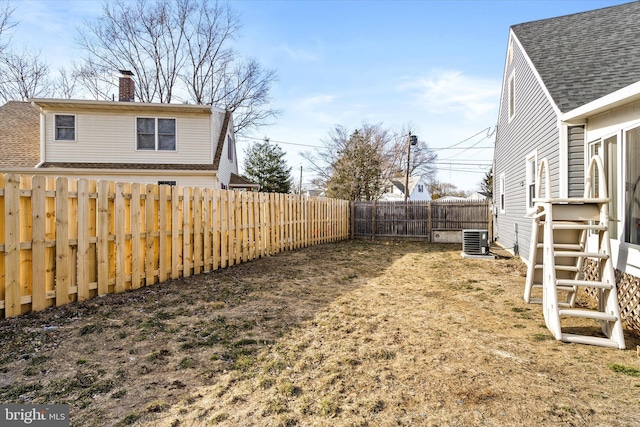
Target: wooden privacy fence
point(65, 240)
point(417, 219)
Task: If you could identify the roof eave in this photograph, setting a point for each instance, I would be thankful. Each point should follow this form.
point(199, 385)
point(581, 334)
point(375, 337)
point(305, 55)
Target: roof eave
point(608, 102)
point(47, 103)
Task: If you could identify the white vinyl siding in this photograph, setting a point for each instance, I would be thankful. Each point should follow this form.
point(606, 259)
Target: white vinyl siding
point(111, 138)
point(533, 127)
point(226, 166)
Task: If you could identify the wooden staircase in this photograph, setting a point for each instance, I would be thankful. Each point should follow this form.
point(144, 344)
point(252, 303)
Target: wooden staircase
point(558, 249)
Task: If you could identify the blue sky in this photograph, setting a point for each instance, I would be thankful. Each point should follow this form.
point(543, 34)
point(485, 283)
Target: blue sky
point(434, 65)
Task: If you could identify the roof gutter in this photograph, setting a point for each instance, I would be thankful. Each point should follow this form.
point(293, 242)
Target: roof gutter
point(608, 102)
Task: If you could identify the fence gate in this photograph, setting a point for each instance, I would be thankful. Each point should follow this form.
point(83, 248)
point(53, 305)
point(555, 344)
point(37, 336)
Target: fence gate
point(429, 221)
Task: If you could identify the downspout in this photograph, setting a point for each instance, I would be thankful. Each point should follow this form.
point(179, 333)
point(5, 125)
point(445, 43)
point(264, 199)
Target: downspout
point(42, 135)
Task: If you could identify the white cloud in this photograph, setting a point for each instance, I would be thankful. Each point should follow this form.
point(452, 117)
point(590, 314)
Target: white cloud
point(451, 91)
point(299, 55)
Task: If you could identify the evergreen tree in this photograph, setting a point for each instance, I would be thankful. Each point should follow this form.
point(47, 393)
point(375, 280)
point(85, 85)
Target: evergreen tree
point(265, 164)
point(486, 185)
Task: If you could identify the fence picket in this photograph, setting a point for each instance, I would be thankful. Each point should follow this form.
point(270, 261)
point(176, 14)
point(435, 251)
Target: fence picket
point(63, 276)
point(91, 238)
point(83, 240)
point(149, 238)
point(137, 255)
point(38, 248)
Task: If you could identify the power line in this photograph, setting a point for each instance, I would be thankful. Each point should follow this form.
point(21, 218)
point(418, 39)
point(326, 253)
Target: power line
point(451, 147)
point(461, 148)
point(282, 142)
point(487, 163)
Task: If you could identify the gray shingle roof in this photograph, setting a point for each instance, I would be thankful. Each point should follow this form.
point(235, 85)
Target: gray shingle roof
point(585, 56)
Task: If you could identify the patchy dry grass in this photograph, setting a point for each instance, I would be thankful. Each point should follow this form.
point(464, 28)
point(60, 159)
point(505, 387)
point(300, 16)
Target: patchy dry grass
point(353, 334)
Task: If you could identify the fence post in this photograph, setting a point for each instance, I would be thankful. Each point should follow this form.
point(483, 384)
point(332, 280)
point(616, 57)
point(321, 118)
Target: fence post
point(62, 241)
point(373, 221)
point(429, 223)
point(12, 305)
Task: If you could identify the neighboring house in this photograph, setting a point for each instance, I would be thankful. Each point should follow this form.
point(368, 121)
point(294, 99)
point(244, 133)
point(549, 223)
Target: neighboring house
point(418, 190)
point(571, 89)
point(191, 145)
point(314, 193)
point(451, 199)
point(477, 196)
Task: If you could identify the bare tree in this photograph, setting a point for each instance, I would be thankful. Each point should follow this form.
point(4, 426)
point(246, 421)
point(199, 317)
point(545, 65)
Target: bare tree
point(65, 86)
point(6, 23)
point(421, 161)
point(353, 165)
point(95, 79)
point(24, 76)
point(438, 189)
point(179, 50)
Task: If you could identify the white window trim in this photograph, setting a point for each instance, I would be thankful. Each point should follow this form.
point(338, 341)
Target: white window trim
point(502, 201)
point(631, 247)
point(529, 178)
point(511, 97)
point(156, 150)
point(75, 128)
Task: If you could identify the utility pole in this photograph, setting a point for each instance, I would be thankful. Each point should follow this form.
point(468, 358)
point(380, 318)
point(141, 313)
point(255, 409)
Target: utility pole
point(300, 188)
point(412, 140)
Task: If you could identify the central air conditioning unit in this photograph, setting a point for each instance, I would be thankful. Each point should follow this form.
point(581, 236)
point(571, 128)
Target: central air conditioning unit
point(475, 242)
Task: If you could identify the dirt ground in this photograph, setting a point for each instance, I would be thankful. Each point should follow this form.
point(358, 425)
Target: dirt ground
point(347, 334)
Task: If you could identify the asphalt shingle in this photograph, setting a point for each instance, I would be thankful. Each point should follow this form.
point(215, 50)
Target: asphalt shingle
point(19, 135)
point(585, 56)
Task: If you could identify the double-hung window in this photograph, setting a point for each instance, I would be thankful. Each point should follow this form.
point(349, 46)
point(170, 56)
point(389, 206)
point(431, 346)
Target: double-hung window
point(65, 127)
point(156, 134)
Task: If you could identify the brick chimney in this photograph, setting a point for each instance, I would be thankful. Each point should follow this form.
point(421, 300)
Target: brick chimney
point(127, 87)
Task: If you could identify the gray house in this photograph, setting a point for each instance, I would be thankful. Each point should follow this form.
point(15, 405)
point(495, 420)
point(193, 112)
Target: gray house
point(571, 89)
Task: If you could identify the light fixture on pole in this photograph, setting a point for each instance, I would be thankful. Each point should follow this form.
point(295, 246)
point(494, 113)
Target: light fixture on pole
point(412, 140)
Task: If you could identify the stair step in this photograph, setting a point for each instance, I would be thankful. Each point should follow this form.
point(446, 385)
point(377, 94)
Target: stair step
point(584, 339)
point(577, 226)
point(576, 254)
point(558, 288)
point(539, 301)
point(588, 314)
point(567, 246)
point(587, 283)
point(572, 268)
